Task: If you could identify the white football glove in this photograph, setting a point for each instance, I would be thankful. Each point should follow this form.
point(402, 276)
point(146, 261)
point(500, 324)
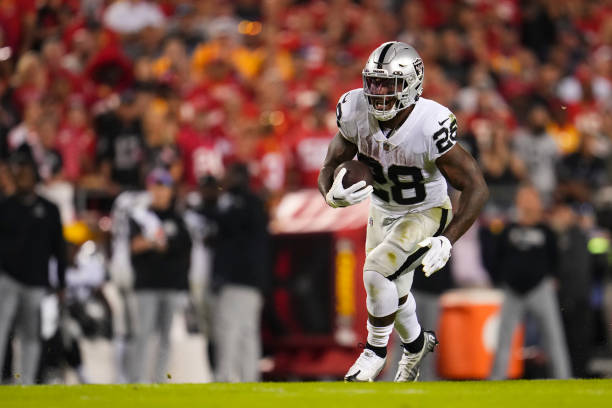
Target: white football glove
point(338, 196)
point(438, 254)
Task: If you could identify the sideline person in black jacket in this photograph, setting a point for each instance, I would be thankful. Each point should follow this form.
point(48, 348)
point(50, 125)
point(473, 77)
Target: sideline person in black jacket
point(525, 262)
point(30, 237)
point(241, 271)
point(160, 248)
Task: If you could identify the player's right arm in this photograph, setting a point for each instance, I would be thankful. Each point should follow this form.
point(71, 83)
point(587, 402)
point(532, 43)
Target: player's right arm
point(339, 151)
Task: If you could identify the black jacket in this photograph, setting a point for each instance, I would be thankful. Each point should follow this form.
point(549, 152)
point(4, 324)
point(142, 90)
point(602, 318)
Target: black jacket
point(168, 269)
point(30, 235)
point(242, 245)
point(574, 265)
point(525, 255)
point(122, 144)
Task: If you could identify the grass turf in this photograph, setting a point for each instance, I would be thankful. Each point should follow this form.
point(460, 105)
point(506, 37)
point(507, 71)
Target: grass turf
point(515, 394)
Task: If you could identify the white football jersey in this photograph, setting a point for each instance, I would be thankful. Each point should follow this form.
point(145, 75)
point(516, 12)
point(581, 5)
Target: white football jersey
point(406, 178)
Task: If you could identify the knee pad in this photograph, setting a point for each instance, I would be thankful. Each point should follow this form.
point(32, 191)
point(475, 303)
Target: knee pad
point(382, 294)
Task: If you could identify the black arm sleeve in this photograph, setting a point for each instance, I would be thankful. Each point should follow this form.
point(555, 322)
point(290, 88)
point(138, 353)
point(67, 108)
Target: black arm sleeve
point(552, 248)
point(59, 246)
point(491, 250)
point(499, 245)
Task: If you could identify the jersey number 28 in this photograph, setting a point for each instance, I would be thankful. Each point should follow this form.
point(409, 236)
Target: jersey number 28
point(399, 186)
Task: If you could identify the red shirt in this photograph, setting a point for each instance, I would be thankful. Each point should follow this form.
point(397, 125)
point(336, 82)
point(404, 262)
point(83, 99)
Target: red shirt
point(308, 151)
point(75, 146)
point(12, 14)
point(110, 59)
point(269, 165)
point(204, 153)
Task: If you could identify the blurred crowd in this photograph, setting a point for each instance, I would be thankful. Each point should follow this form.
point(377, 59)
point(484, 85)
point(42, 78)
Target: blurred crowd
point(103, 99)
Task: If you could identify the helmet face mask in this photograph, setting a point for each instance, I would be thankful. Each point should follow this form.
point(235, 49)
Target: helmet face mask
point(392, 79)
point(384, 95)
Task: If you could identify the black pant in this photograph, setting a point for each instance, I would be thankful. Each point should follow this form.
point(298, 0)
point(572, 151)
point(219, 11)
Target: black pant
point(576, 315)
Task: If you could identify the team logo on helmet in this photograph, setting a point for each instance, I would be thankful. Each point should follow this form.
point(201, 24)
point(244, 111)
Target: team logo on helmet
point(418, 68)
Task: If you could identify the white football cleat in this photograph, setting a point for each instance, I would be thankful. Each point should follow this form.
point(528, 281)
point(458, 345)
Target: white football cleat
point(408, 368)
point(366, 368)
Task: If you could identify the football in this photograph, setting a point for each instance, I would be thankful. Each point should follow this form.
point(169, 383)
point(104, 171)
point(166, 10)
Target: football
point(355, 172)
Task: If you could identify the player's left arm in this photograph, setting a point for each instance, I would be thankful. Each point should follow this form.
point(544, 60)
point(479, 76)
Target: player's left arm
point(462, 172)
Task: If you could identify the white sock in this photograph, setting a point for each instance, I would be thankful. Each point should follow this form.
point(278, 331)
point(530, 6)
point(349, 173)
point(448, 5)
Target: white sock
point(406, 322)
point(379, 336)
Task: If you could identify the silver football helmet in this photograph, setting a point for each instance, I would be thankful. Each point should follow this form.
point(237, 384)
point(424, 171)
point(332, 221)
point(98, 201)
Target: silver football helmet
point(392, 79)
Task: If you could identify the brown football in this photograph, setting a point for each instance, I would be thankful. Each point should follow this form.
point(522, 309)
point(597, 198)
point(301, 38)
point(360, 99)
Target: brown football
point(355, 172)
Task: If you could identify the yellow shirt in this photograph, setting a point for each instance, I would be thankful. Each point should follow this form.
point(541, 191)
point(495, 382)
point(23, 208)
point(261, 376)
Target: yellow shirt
point(567, 137)
point(248, 63)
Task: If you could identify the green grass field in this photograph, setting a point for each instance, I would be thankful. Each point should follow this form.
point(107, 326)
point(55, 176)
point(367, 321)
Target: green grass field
point(515, 394)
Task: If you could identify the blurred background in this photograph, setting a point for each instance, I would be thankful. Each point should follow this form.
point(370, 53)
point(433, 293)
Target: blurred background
point(181, 142)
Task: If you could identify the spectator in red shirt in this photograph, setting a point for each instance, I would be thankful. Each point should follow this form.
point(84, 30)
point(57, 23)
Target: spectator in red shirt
point(308, 148)
point(202, 142)
point(17, 19)
point(76, 142)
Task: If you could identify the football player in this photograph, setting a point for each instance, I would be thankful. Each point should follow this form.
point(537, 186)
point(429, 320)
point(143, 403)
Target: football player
point(409, 143)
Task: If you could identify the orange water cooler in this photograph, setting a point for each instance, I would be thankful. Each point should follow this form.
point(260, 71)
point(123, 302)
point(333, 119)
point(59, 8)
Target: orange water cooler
point(468, 332)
